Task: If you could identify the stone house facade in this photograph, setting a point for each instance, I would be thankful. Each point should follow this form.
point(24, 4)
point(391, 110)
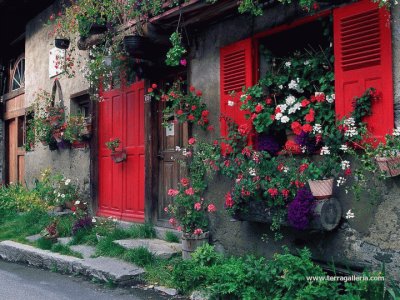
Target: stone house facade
point(369, 239)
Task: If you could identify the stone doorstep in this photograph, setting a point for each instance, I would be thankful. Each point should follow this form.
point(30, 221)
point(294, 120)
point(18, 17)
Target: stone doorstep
point(102, 268)
point(160, 248)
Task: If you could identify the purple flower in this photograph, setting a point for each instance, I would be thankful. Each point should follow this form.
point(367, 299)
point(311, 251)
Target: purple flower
point(82, 223)
point(268, 143)
point(183, 62)
point(300, 210)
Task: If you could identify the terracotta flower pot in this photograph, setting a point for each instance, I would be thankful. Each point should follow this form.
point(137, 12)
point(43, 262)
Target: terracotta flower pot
point(321, 189)
point(389, 165)
point(191, 242)
point(77, 144)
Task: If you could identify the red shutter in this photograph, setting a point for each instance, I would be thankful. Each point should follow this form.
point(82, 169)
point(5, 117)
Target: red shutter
point(363, 59)
point(236, 72)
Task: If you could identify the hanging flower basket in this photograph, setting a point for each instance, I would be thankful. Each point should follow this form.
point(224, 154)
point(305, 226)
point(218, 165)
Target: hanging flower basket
point(118, 156)
point(137, 46)
point(389, 165)
point(321, 189)
point(78, 144)
point(191, 242)
point(62, 43)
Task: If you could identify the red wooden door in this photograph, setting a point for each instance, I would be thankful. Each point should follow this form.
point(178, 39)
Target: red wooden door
point(121, 185)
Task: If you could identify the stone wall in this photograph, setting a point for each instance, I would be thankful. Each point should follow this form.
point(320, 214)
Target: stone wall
point(73, 163)
point(371, 238)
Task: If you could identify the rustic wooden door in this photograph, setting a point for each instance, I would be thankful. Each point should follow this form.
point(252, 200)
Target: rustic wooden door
point(15, 137)
point(121, 185)
point(172, 142)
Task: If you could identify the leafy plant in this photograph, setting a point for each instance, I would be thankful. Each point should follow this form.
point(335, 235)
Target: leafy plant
point(171, 237)
point(113, 144)
point(140, 256)
point(175, 53)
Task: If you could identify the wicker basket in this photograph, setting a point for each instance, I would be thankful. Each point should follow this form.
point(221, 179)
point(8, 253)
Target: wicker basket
point(389, 165)
point(321, 189)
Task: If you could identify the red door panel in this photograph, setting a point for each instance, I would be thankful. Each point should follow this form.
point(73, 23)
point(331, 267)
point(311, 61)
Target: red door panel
point(121, 185)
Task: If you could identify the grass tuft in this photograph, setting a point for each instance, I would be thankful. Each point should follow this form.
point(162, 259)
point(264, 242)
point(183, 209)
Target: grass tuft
point(171, 237)
point(140, 256)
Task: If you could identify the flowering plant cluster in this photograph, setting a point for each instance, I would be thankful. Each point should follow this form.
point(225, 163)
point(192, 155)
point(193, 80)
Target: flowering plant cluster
point(182, 106)
point(189, 207)
point(56, 189)
point(113, 144)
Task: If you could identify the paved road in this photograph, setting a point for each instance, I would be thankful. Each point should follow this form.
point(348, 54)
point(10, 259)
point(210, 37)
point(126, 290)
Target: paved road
point(19, 282)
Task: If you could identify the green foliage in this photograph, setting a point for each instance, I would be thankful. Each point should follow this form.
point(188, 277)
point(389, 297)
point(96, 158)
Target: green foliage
point(140, 256)
point(175, 53)
point(206, 255)
point(64, 226)
point(64, 250)
point(141, 231)
point(45, 244)
point(171, 237)
point(15, 198)
point(106, 247)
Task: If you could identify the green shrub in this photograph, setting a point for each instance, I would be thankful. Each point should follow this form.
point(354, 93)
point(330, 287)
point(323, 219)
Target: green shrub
point(140, 256)
point(141, 231)
point(44, 244)
point(206, 255)
point(171, 237)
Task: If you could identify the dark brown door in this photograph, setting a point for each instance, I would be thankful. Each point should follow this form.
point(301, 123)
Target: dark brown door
point(171, 139)
point(15, 140)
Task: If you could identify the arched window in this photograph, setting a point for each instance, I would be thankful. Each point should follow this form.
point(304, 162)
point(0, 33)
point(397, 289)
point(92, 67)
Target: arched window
point(18, 74)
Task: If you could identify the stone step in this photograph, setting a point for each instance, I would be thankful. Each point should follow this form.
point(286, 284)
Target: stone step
point(160, 248)
point(85, 250)
point(102, 268)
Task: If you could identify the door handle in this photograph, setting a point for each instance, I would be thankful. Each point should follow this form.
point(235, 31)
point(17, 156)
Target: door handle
point(160, 157)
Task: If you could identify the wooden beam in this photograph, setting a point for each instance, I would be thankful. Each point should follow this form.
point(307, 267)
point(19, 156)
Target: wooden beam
point(14, 114)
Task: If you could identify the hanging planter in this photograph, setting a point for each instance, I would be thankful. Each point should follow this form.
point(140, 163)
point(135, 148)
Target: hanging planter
point(118, 156)
point(321, 189)
point(389, 165)
point(191, 242)
point(138, 46)
point(62, 43)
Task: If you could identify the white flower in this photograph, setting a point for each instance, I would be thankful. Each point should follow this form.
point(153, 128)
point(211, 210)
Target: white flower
point(396, 132)
point(341, 181)
point(325, 151)
point(285, 119)
point(351, 131)
point(67, 182)
point(344, 147)
point(330, 98)
point(288, 64)
point(290, 100)
point(58, 195)
point(77, 202)
point(231, 103)
point(345, 164)
point(349, 214)
point(317, 128)
point(177, 148)
point(93, 220)
point(285, 169)
point(307, 62)
point(282, 107)
point(280, 86)
point(350, 122)
point(62, 196)
point(252, 172)
point(294, 85)
point(278, 116)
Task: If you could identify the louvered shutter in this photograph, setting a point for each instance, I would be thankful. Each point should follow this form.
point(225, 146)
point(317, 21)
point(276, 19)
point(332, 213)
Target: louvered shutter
point(363, 59)
point(236, 72)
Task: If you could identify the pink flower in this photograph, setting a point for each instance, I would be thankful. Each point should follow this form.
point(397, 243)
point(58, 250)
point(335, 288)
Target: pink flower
point(197, 206)
point(192, 141)
point(183, 62)
point(166, 209)
point(184, 181)
point(228, 200)
point(179, 228)
point(189, 191)
point(172, 192)
point(198, 231)
point(259, 108)
point(273, 192)
point(211, 208)
point(172, 221)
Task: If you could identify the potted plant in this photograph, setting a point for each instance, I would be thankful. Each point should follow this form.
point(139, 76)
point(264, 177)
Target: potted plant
point(321, 173)
point(387, 155)
point(50, 232)
point(76, 131)
point(188, 211)
point(117, 156)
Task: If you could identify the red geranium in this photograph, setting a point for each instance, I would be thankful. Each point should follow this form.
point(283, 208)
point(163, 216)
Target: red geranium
point(307, 128)
point(259, 108)
point(296, 127)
